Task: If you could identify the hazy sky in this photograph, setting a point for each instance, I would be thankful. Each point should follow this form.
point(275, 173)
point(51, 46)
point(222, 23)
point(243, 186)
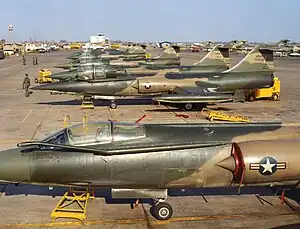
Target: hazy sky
point(152, 20)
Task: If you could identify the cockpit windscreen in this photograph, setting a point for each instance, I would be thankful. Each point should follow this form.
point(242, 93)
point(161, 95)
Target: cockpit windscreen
point(85, 134)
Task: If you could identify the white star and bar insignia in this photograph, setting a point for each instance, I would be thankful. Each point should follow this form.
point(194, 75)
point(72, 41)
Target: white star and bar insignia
point(147, 85)
point(267, 166)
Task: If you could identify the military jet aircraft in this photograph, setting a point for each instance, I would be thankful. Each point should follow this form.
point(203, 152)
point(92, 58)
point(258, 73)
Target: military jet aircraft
point(86, 52)
point(135, 54)
point(130, 52)
point(191, 89)
point(217, 60)
point(98, 70)
point(143, 160)
point(237, 46)
point(283, 48)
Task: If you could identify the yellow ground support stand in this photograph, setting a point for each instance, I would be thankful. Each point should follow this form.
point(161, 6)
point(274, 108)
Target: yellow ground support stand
point(73, 204)
point(67, 121)
point(272, 92)
point(43, 76)
point(115, 46)
point(215, 115)
point(87, 103)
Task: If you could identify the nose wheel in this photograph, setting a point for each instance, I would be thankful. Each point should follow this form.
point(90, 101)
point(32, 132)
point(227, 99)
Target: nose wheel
point(161, 211)
point(113, 104)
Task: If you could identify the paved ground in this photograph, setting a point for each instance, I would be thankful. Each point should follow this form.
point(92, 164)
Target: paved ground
point(24, 118)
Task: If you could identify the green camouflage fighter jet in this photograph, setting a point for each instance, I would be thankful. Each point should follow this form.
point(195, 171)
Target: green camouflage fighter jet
point(134, 54)
point(188, 89)
point(142, 161)
point(217, 60)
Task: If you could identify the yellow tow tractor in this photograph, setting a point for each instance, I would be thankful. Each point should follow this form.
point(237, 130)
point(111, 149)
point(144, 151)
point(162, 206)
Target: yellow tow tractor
point(43, 76)
point(115, 46)
point(272, 93)
point(215, 115)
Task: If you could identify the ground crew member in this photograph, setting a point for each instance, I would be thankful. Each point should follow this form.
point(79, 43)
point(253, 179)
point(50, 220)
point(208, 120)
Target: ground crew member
point(23, 59)
point(26, 85)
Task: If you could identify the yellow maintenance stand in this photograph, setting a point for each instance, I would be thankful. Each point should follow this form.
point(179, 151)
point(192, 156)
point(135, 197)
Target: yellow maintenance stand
point(73, 204)
point(272, 93)
point(43, 76)
point(87, 102)
point(115, 46)
point(216, 115)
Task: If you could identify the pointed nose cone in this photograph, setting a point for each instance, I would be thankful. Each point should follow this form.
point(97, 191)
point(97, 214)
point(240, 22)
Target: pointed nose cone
point(14, 165)
point(64, 75)
point(228, 164)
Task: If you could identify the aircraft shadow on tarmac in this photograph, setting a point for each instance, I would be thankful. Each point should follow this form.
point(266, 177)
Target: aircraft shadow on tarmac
point(132, 101)
point(27, 189)
point(176, 109)
point(74, 102)
point(289, 226)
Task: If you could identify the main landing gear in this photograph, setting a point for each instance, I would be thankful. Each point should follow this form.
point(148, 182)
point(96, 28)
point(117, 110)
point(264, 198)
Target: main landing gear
point(161, 210)
point(113, 104)
point(194, 106)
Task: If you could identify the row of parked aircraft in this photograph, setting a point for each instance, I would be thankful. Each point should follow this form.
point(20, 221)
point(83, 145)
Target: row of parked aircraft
point(281, 48)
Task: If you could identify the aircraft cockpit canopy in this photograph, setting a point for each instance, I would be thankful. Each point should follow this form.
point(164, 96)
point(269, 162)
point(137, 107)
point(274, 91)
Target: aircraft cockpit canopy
point(91, 72)
point(94, 133)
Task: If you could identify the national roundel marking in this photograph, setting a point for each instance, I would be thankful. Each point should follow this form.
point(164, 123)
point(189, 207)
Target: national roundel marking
point(267, 166)
point(147, 85)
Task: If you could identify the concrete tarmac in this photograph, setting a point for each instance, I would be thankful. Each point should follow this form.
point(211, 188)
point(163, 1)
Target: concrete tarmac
point(26, 118)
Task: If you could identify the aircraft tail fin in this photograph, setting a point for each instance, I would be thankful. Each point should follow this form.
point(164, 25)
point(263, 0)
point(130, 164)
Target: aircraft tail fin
point(256, 60)
point(239, 96)
point(217, 56)
point(171, 51)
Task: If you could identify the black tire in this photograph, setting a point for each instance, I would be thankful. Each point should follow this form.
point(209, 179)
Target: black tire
point(275, 97)
point(188, 106)
point(251, 98)
point(161, 211)
point(113, 105)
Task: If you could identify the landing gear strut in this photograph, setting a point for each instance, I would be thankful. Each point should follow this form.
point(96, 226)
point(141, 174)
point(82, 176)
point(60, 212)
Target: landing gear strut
point(161, 210)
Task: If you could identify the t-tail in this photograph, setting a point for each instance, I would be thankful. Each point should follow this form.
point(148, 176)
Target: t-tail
point(218, 56)
point(170, 57)
point(170, 52)
point(257, 60)
point(137, 50)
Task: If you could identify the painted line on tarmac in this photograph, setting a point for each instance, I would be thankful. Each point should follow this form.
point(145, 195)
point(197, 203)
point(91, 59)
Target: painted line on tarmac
point(120, 221)
point(13, 140)
point(3, 69)
point(41, 122)
point(137, 220)
point(28, 114)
